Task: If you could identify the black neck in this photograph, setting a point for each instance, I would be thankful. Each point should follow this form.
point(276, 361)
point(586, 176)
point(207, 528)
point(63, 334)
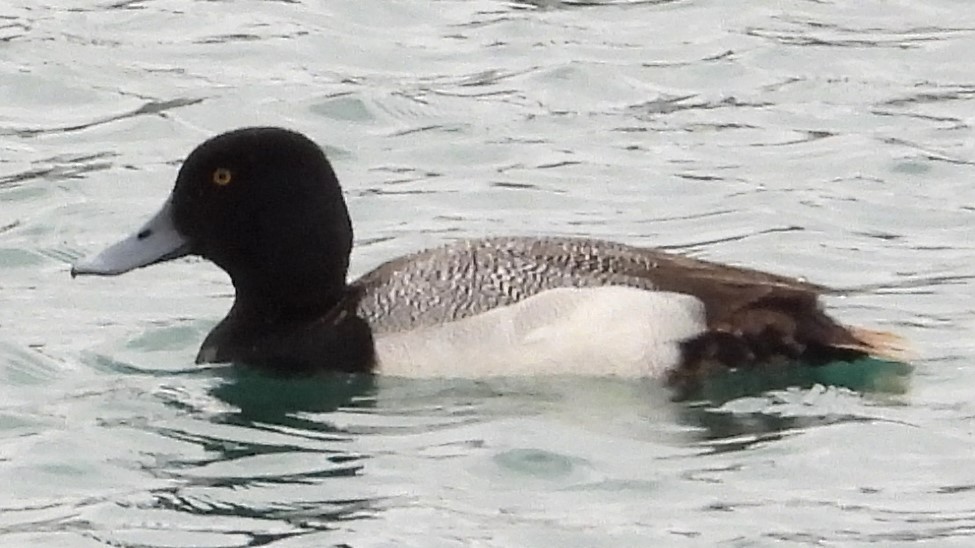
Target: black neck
point(296, 264)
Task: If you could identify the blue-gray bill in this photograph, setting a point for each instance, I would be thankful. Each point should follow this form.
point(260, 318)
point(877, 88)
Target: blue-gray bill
point(154, 242)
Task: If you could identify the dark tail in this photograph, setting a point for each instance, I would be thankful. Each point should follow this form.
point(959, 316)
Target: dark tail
point(817, 340)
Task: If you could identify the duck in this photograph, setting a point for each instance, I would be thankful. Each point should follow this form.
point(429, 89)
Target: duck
point(264, 205)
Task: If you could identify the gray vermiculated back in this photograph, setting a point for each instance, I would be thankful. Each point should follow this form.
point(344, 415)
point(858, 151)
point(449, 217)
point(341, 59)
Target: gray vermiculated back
point(468, 277)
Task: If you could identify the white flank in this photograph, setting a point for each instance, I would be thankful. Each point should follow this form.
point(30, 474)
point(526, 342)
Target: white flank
point(605, 331)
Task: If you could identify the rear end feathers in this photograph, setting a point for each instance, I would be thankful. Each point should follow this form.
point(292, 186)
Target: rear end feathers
point(880, 344)
point(770, 350)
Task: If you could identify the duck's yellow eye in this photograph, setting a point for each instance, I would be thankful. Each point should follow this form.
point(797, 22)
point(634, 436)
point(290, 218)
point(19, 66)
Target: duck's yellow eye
point(222, 176)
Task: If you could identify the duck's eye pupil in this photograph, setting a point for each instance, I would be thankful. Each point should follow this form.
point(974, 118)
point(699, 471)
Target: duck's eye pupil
point(222, 176)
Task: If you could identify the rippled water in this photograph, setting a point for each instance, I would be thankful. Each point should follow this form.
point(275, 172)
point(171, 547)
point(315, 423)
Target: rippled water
point(831, 140)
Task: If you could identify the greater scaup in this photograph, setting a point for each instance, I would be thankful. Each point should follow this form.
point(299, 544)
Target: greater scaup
point(264, 204)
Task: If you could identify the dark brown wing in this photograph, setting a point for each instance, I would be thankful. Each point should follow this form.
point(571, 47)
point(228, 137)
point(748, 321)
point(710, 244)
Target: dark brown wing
point(757, 319)
point(754, 318)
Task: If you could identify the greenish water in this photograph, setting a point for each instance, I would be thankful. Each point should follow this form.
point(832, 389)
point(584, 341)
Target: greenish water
point(826, 140)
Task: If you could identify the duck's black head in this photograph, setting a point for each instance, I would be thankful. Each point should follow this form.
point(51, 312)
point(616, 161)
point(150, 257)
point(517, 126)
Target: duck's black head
point(263, 204)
